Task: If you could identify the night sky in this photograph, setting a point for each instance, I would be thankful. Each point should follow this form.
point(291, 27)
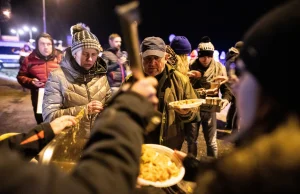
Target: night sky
point(224, 22)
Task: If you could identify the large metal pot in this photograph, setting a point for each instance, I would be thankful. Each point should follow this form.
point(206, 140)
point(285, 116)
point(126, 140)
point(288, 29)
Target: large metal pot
point(64, 150)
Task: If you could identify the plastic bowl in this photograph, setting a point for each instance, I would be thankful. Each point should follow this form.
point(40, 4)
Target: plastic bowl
point(173, 180)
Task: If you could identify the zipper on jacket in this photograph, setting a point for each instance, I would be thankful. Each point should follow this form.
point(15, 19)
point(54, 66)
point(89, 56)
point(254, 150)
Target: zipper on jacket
point(47, 73)
point(89, 97)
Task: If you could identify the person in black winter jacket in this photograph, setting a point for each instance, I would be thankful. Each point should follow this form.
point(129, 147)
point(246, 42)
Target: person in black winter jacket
point(117, 62)
point(110, 160)
point(31, 143)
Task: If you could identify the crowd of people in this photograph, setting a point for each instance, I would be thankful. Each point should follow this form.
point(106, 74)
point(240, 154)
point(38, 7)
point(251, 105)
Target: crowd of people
point(264, 159)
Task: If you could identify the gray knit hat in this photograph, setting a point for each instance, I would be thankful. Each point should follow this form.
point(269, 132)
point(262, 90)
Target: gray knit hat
point(83, 38)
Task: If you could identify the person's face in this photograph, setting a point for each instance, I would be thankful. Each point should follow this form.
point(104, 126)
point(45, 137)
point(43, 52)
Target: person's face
point(45, 46)
point(247, 91)
point(86, 58)
point(205, 61)
point(154, 65)
point(116, 42)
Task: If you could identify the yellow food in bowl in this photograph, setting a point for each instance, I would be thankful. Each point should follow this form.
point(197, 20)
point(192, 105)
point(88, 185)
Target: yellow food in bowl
point(156, 166)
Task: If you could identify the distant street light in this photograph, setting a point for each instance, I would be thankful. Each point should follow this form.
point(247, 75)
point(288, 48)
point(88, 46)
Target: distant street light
point(17, 32)
point(30, 30)
point(5, 10)
point(13, 31)
point(6, 13)
point(44, 16)
point(20, 31)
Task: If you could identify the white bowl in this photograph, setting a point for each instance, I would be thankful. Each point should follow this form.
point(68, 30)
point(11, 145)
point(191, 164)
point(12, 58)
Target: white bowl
point(173, 180)
point(181, 104)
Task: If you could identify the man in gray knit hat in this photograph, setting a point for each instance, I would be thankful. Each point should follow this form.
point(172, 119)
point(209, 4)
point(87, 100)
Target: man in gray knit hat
point(80, 82)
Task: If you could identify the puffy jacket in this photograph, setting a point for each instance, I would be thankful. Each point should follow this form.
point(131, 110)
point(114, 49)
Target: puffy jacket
point(31, 143)
point(104, 162)
point(69, 90)
point(34, 67)
point(116, 72)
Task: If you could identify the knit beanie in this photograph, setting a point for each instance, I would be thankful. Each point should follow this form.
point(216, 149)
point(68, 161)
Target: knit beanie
point(82, 38)
point(205, 47)
point(181, 45)
point(268, 54)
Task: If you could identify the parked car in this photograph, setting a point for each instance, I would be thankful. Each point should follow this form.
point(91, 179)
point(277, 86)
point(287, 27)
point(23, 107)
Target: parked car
point(1, 64)
point(10, 54)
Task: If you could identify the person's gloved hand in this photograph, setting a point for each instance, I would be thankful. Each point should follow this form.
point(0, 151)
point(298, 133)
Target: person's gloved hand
point(224, 103)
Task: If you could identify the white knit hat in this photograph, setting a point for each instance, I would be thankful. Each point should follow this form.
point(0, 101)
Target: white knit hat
point(205, 47)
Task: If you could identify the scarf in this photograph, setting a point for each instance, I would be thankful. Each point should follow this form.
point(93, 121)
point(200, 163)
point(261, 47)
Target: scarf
point(213, 70)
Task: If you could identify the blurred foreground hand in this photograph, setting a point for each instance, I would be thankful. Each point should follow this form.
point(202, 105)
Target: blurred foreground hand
point(61, 123)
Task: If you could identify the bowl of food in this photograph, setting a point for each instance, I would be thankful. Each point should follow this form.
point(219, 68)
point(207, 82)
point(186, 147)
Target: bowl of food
point(186, 104)
point(159, 166)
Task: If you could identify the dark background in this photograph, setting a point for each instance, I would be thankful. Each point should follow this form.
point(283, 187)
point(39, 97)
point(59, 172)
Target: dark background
point(224, 22)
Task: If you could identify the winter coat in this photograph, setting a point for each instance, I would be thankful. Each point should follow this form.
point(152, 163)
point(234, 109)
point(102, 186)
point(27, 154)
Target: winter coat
point(116, 73)
point(34, 67)
point(69, 90)
point(107, 165)
point(203, 82)
point(268, 164)
point(31, 143)
point(231, 57)
point(176, 87)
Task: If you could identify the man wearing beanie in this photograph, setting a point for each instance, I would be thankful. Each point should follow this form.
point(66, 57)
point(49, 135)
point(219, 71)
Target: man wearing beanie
point(172, 86)
point(35, 68)
point(205, 70)
point(80, 82)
